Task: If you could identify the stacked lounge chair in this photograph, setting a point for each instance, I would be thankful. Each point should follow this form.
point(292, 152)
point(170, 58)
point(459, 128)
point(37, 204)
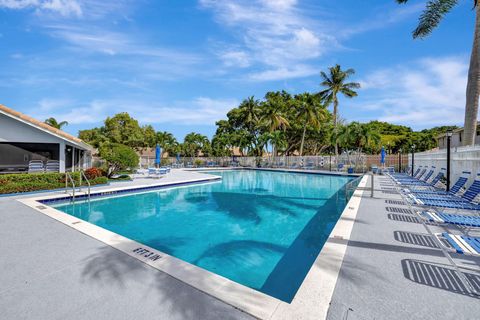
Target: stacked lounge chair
point(52, 166)
point(36, 166)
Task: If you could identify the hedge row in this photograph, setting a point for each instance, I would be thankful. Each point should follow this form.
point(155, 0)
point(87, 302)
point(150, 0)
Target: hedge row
point(13, 183)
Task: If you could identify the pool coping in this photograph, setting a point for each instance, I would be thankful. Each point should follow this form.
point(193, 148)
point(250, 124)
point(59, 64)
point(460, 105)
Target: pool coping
point(246, 299)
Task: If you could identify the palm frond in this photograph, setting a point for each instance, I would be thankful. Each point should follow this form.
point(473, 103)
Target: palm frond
point(348, 92)
point(431, 17)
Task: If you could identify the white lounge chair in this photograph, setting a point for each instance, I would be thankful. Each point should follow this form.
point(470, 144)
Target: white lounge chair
point(36, 166)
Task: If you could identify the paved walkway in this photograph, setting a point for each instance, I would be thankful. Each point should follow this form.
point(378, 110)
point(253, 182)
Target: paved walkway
point(393, 270)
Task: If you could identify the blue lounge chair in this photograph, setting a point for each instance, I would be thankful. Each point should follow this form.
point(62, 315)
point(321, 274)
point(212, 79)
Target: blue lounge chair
point(431, 184)
point(310, 165)
point(462, 180)
point(420, 181)
point(462, 244)
point(449, 218)
point(420, 172)
point(452, 201)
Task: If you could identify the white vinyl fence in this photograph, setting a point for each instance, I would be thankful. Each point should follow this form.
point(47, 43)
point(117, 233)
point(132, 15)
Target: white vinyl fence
point(462, 159)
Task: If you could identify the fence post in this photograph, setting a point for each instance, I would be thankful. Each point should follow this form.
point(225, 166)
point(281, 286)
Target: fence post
point(372, 185)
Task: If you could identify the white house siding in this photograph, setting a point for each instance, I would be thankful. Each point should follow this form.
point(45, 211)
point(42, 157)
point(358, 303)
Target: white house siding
point(14, 130)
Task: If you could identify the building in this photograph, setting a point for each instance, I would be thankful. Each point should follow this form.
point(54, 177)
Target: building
point(23, 139)
point(457, 137)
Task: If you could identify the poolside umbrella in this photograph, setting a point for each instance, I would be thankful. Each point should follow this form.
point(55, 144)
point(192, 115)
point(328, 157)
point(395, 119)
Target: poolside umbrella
point(382, 156)
point(178, 157)
point(158, 152)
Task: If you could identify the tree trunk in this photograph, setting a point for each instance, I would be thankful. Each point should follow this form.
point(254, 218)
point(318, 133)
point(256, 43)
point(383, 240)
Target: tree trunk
point(335, 130)
point(303, 139)
point(473, 87)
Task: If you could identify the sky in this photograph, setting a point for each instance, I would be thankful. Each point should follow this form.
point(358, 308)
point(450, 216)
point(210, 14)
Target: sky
point(180, 65)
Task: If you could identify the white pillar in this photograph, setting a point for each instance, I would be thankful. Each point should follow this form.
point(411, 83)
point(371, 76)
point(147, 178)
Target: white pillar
point(73, 159)
point(62, 156)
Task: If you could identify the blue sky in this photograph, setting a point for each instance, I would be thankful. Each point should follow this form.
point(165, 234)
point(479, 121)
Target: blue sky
point(181, 65)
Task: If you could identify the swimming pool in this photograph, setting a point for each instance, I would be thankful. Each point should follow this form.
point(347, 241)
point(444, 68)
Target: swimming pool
point(261, 229)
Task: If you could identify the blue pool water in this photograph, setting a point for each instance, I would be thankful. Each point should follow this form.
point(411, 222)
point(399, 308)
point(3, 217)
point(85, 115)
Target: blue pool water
point(259, 228)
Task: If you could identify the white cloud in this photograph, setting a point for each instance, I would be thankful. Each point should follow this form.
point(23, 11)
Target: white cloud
point(91, 39)
point(274, 35)
point(199, 111)
point(63, 7)
point(425, 93)
point(233, 58)
point(280, 38)
point(298, 71)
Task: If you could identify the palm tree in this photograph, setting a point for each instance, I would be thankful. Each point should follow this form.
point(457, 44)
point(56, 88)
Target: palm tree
point(167, 141)
point(194, 143)
point(54, 123)
point(309, 112)
point(429, 20)
point(273, 119)
point(249, 112)
point(335, 83)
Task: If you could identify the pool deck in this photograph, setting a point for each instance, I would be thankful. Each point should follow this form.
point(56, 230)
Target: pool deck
point(391, 270)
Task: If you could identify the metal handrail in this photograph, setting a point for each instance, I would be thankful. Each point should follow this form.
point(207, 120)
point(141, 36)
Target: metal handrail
point(67, 177)
point(82, 174)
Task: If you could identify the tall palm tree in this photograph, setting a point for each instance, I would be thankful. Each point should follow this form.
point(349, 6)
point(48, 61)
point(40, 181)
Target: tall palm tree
point(54, 123)
point(249, 112)
point(309, 112)
point(429, 20)
point(273, 118)
point(336, 82)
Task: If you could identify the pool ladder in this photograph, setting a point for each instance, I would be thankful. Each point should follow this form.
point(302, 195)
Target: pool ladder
point(69, 180)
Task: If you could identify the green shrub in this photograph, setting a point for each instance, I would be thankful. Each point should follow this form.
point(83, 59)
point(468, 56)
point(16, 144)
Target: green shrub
point(119, 157)
point(198, 162)
point(13, 183)
point(165, 162)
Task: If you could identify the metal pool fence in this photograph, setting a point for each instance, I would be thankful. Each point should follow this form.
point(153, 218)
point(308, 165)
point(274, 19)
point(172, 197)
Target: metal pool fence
point(350, 162)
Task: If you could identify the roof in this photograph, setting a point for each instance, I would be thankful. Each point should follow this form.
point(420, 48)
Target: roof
point(441, 135)
point(43, 126)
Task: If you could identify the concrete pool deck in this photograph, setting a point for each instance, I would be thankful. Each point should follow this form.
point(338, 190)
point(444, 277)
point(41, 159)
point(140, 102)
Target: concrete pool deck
point(53, 271)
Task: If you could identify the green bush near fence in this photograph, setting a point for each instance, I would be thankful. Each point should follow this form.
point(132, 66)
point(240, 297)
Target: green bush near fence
point(14, 183)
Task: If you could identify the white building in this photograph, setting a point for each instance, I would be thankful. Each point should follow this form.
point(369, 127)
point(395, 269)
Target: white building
point(457, 138)
point(23, 138)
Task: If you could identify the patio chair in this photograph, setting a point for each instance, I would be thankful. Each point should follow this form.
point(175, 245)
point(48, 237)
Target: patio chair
point(420, 179)
point(461, 244)
point(52, 166)
point(453, 201)
point(418, 174)
point(36, 166)
point(154, 172)
point(450, 218)
point(431, 184)
point(433, 191)
point(310, 165)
